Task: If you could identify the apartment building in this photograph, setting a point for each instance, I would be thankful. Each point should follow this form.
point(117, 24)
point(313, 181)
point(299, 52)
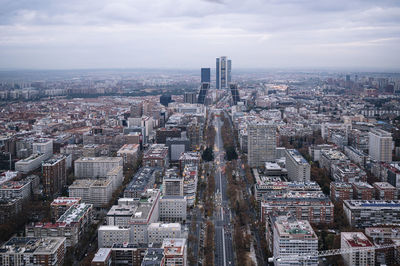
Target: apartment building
point(380, 145)
point(298, 168)
point(350, 240)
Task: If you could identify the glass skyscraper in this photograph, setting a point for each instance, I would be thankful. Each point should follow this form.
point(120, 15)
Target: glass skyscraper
point(223, 72)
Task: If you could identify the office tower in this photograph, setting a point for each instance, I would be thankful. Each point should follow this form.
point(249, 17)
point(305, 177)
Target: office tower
point(380, 145)
point(165, 99)
point(235, 93)
point(350, 240)
point(205, 84)
point(190, 97)
point(205, 75)
point(298, 168)
point(54, 175)
point(261, 145)
point(223, 72)
point(292, 237)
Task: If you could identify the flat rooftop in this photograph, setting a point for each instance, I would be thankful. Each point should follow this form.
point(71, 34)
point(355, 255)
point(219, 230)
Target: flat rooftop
point(20, 245)
point(62, 201)
point(75, 213)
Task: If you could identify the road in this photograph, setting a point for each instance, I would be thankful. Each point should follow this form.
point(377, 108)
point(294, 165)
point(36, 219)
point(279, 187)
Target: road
point(224, 252)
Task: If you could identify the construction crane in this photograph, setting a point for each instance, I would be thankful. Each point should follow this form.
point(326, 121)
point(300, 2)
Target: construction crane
point(330, 252)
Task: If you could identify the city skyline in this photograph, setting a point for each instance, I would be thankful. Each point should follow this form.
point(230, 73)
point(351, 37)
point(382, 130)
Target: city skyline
point(355, 35)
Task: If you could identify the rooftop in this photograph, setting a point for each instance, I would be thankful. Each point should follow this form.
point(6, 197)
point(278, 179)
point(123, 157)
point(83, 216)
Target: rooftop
point(75, 213)
point(356, 239)
point(61, 201)
point(102, 255)
point(99, 159)
point(174, 246)
point(33, 245)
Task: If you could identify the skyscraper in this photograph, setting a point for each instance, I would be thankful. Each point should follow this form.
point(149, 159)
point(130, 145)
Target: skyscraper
point(261, 145)
point(223, 72)
point(205, 75)
point(205, 84)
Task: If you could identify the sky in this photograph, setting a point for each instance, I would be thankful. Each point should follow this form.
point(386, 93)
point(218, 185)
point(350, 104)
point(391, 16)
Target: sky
point(179, 34)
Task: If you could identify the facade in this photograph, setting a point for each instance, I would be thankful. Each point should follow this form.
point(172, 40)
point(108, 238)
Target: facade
point(129, 152)
point(163, 133)
point(102, 257)
point(31, 163)
point(350, 240)
point(205, 75)
point(293, 237)
point(43, 146)
point(329, 158)
point(157, 232)
point(367, 213)
point(108, 235)
point(72, 225)
point(384, 191)
point(61, 204)
point(190, 176)
point(362, 191)
point(173, 209)
point(9, 209)
point(190, 97)
point(223, 72)
point(380, 145)
point(156, 156)
point(95, 167)
point(341, 191)
point(154, 257)
point(298, 168)
point(97, 192)
point(33, 251)
point(261, 146)
point(173, 185)
point(54, 175)
point(348, 172)
point(16, 189)
point(315, 207)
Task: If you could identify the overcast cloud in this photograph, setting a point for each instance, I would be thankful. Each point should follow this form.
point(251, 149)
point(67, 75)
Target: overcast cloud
point(52, 34)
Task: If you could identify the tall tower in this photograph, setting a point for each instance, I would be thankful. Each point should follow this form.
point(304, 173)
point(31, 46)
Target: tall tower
point(223, 72)
point(380, 145)
point(261, 144)
point(205, 84)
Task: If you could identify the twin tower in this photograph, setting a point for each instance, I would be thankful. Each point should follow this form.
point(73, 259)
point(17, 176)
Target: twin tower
point(223, 78)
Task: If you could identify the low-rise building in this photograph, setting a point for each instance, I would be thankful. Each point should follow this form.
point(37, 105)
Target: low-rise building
point(33, 251)
point(348, 172)
point(362, 191)
point(341, 191)
point(129, 153)
point(381, 234)
point(72, 225)
point(17, 189)
point(175, 251)
point(384, 191)
point(156, 156)
point(61, 204)
point(315, 207)
point(367, 213)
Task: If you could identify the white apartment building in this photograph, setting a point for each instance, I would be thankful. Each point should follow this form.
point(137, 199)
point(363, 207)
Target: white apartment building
point(298, 168)
point(94, 167)
point(157, 232)
point(350, 240)
point(31, 163)
point(110, 234)
point(380, 145)
point(173, 208)
point(293, 237)
point(43, 146)
point(97, 192)
point(261, 145)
